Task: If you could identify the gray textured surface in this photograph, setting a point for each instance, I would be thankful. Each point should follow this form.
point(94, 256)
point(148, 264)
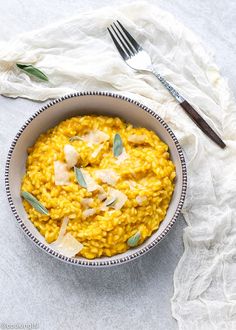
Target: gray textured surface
point(36, 288)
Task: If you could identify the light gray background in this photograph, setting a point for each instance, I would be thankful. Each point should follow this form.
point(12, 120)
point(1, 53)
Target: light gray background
point(36, 288)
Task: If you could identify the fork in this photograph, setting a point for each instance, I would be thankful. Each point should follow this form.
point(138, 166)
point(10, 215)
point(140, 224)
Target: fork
point(138, 59)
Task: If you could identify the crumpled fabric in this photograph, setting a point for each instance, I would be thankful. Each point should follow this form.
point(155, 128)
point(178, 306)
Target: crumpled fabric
point(79, 55)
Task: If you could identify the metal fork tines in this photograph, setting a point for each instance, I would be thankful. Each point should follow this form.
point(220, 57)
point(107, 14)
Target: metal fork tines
point(129, 44)
point(137, 58)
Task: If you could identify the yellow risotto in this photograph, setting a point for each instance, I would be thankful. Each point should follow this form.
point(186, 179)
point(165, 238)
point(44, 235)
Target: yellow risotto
point(102, 182)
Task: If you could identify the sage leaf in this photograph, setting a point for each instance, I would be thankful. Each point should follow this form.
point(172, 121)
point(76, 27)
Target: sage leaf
point(80, 177)
point(75, 138)
point(31, 70)
point(117, 145)
point(133, 240)
point(34, 202)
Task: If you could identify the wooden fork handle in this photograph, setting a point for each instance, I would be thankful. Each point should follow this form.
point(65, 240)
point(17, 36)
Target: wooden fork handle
point(202, 124)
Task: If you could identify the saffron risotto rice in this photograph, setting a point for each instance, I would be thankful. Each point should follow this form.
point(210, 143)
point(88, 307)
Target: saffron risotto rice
point(97, 185)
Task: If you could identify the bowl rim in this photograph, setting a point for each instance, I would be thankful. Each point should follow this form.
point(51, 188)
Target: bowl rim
point(87, 262)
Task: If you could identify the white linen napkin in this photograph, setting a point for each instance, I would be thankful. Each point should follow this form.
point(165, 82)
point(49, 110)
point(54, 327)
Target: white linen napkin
point(78, 55)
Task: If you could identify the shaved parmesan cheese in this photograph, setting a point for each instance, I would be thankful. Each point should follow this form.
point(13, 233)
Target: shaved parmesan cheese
point(138, 139)
point(71, 155)
point(107, 176)
point(66, 244)
point(62, 229)
point(141, 199)
point(61, 173)
point(119, 197)
point(111, 212)
point(122, 157)
point(95, 137)
point(88, 212)
point(110, 201)
point(86, 201)
point(96, 151)
point(104, 207)
point(69, 246)
point(102, 196)
point(90, 182)
point(134, 185)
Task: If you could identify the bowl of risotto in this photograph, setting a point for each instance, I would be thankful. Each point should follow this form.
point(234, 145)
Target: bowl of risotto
point(95, 179)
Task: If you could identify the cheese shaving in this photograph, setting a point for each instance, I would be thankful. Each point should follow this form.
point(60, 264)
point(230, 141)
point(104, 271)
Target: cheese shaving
point(69, 246)
point(134, 185)
point(138, 139)
point(62, 230)
point(87, 213)
point(107, 176)
point(90, 182)
point(66, 244)
point(95, 137)
point(141, 199)
point(61, 173)
point(120, 198)
point(122, 157)
point(86, 201)
point(97, 151)
point(71, 155)
point(102, 196)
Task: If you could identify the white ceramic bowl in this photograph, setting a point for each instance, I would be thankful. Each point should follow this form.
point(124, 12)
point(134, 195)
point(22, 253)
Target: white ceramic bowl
point(94, 103)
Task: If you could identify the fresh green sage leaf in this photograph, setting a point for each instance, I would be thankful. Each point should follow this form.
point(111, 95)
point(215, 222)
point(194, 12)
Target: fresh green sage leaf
point(110, 202)
point(34, 202)
point(133, 240)
point(117, 145)
point(31, 70)
point(80, 177)
point(75, 138)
